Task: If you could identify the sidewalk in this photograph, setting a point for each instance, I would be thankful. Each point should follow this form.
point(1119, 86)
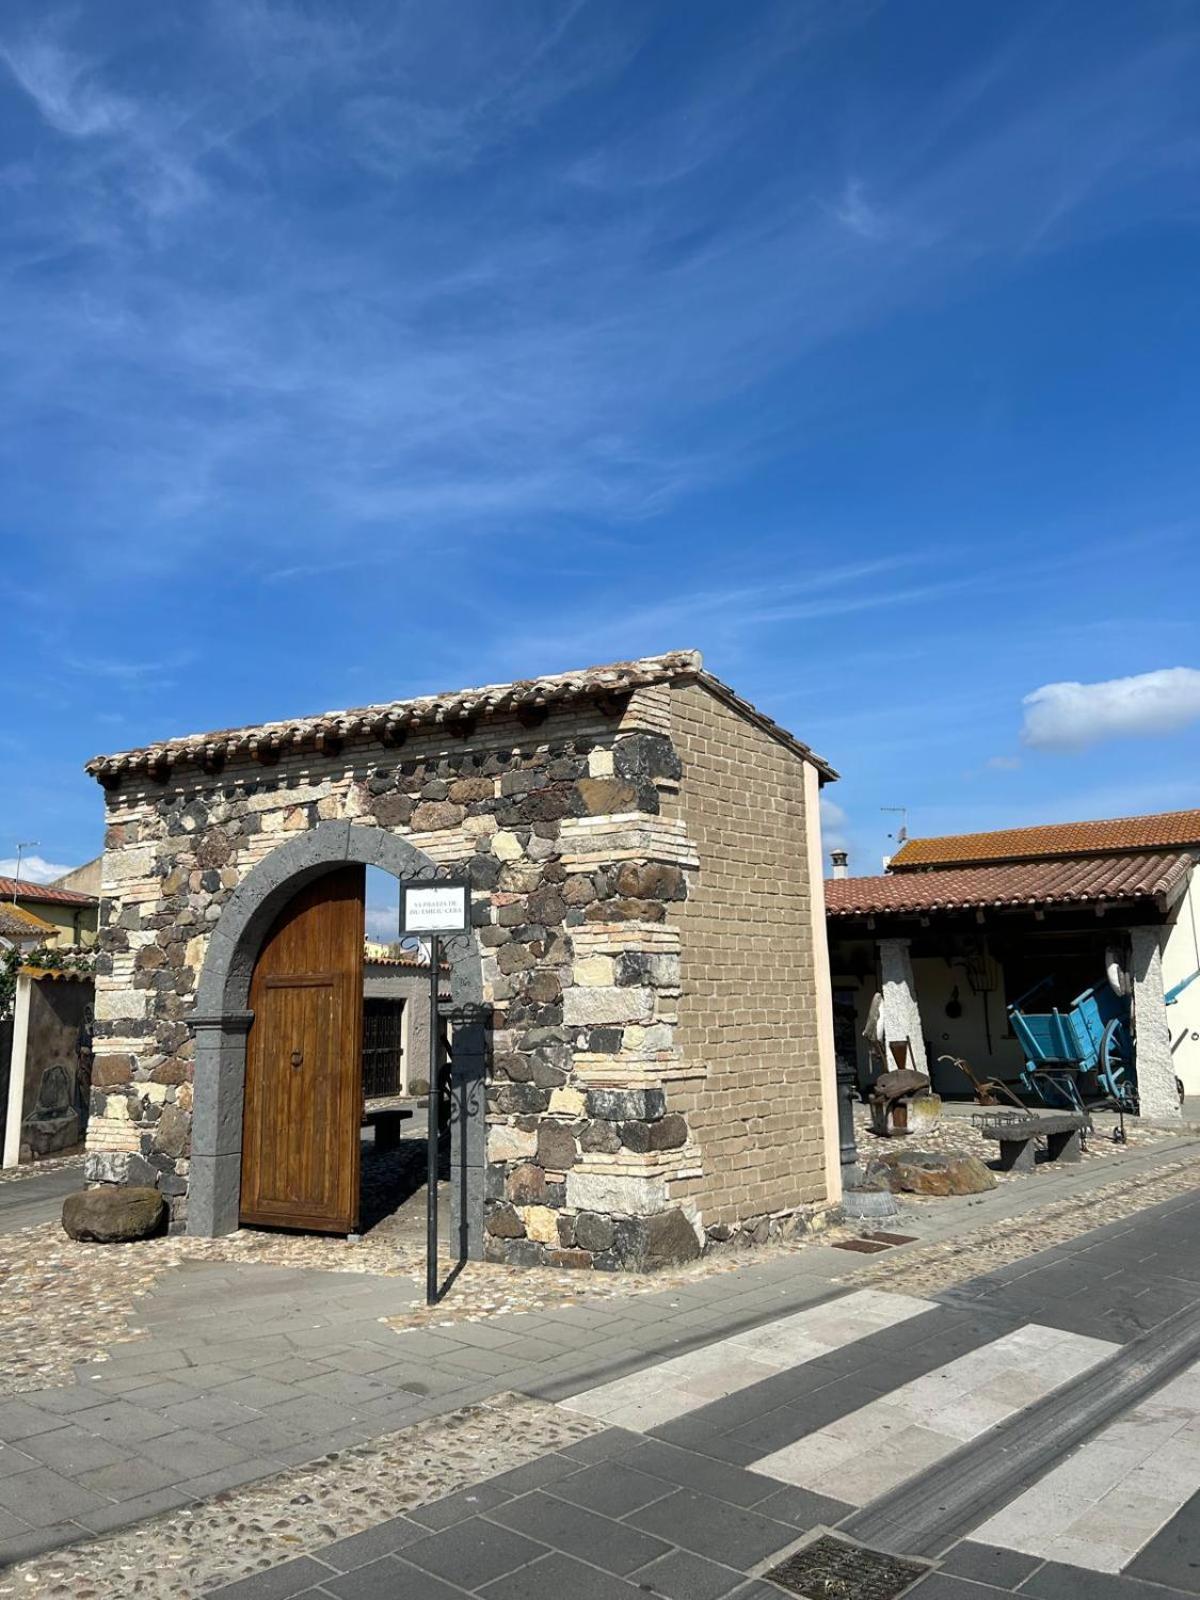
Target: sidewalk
point(246, 1372)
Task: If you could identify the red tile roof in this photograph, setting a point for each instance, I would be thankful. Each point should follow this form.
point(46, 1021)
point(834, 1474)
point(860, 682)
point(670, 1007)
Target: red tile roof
point(46, 894)
point(269, 740)
point(1167, 830)
point(1085, 880)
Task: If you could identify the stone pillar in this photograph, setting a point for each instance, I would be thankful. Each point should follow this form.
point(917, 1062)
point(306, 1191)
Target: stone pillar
point(900, 1016)
point(215, 1187)
point(1157, 1095)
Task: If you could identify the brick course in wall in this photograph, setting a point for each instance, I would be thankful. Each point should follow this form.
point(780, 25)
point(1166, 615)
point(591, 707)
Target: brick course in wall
point(749, 983)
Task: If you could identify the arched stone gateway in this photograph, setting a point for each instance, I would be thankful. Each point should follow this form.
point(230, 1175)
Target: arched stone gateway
point(642, 1040)
point(222, 1020)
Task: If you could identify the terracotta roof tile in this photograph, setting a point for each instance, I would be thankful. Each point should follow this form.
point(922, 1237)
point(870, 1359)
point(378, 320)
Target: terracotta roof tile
point(331, 728)
point(1166, 830)
point(18, 923)
point(1084, 880)
point(46, 894)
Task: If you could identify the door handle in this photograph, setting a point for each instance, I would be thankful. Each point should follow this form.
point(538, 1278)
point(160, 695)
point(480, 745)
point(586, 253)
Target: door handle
point(297, 1057)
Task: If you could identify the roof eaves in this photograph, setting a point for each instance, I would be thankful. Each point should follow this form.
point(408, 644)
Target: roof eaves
point(751, 713)
point(390, 722)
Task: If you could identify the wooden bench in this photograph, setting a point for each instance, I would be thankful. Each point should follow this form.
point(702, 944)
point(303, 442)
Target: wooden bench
point(386, 1121)
point(1017, 1131)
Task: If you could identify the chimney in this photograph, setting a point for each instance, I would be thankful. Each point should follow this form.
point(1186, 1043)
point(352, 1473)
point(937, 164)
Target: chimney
point(840, 859)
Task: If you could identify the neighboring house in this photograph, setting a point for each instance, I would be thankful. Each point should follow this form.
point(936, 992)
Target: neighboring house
point(642, 1046)
point(396, 1021)
point(84, 879)
point(72, 914)
point(21, 930)
point(961, 927)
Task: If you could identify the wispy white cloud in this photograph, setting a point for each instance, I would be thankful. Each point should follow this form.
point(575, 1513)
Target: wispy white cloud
point(34, 869)
point(297, 337)
point(67, 91)
point(1068, 716)
point(1003, 763)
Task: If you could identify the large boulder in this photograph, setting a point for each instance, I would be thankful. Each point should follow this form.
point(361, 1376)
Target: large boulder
point(114, 1214)
point(925, 1172)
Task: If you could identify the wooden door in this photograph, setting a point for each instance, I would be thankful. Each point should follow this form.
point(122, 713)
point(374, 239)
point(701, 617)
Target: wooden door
point(303, 1107)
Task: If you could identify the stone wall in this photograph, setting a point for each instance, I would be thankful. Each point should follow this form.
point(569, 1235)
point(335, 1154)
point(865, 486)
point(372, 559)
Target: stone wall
point(747, 1010)
point(573, 871)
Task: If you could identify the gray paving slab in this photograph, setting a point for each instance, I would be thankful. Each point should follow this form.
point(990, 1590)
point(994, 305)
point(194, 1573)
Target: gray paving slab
point(43, 1497)
point(21, 1420)
point(985, 1563)
point(452, 1508)
point(203, 1452)
point(941, 1586)
point(557, 1576)
point(277, 1583)
point(390, 1578)
point(208, 1411)
point(474, 1552)
point(221, 1479)
point(686, 1469)
point(714, 1528)
point(614, 1546)
point(1173, 1555)
point(382, 1540)
point(121, 1513)
point(124, 1479)
point(680, 1575)
point(612, 1488)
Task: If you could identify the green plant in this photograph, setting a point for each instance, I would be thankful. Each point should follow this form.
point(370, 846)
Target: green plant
point(48, 958)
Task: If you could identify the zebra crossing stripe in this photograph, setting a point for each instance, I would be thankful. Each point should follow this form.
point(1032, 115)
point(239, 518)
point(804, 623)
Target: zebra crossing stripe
point(1103, 1504)
point(881, 1445)
point(659, 1394)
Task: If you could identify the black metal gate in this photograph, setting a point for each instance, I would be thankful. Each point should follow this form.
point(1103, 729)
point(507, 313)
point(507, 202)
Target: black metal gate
point(383, 1048)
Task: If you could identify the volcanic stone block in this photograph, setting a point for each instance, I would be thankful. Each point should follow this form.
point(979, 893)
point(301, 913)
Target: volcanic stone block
point(556, 1146)
point(114, 1215)
point(627, 1105)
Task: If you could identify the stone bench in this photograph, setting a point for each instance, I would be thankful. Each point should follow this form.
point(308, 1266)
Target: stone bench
point(1016, 1132)
point(386, 1121)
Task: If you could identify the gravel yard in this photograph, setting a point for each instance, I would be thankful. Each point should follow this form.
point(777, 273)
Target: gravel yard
point(179, 1557)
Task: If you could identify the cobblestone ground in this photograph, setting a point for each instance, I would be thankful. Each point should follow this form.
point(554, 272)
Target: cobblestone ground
point(66, 1303)
point(35, 1169)
point(179, 1557)
point(187, 1552)
point(955, 1134)
point(932, 1267)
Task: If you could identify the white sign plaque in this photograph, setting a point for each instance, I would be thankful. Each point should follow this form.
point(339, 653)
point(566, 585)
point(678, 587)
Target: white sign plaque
point(435, 908)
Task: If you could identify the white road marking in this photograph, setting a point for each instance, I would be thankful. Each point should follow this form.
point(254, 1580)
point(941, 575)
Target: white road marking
point(870, 1451)
point(1100, 1506)
point(684, 1383)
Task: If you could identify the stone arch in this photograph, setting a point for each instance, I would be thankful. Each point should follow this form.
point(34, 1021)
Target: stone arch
point(222, 1019)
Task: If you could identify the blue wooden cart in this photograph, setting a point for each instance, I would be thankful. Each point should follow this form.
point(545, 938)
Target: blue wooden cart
point(1091, 1037)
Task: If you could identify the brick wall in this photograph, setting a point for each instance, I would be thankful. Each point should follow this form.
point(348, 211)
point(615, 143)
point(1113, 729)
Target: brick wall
point(747, 1011)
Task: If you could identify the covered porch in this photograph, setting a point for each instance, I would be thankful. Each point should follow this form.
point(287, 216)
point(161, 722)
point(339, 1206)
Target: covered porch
point(935, 960)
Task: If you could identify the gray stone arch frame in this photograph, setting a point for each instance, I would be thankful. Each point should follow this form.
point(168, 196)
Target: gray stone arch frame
point(222, 1019)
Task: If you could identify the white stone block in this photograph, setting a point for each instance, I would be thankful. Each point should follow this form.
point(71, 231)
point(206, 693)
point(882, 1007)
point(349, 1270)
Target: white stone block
point(506, 845)
point(595, 1007)
point(622, 1194)
point(594, 972)
point(510, 1144)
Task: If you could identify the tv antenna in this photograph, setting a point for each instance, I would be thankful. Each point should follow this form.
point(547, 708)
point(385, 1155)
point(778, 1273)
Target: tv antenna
point(901, 833)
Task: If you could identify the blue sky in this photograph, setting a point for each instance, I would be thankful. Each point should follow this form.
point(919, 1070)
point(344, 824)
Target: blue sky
point(353, 351)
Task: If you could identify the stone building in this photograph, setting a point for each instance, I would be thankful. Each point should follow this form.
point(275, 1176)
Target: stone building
point(642, 1043)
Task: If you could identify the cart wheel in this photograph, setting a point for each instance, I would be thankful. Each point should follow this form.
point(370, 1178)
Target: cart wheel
point(1114, 1060)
